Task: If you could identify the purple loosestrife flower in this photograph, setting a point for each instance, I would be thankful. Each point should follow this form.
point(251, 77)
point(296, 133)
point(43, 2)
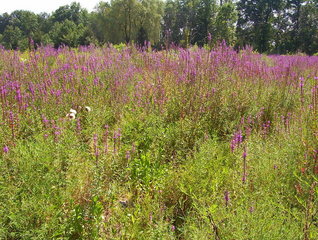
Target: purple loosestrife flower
point(11, 117)
point(45, 121)
point(244, 154)
point(3, 91)
point(301, 82)
point(6, 149)
point(56, 130)
point(96, 81)
point(236, 141)
point(57, 133)
point(233, 145)
point(239, 138)
point(31, 88)
point(209, 37)
point(244, 178)
point(18, 95)
point(266, 128)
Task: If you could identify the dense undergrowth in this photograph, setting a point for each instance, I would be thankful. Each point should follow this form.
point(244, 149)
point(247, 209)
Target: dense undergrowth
point(178, 144)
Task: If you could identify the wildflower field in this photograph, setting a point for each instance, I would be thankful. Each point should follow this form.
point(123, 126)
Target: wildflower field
point(101, 143)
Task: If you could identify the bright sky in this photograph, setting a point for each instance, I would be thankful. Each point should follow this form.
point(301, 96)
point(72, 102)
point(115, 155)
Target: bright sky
point(38, 6)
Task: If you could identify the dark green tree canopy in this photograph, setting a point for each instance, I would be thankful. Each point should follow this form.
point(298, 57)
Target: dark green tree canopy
point(269, 26)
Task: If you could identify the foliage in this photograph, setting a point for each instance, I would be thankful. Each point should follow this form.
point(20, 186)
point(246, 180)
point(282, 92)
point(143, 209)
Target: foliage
point(224, 25)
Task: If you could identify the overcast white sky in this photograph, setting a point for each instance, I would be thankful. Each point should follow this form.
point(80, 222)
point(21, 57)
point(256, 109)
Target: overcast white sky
point(38, 6)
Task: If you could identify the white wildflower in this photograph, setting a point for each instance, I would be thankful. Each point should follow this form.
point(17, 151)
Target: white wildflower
point(88, 109)
point(73, 111)
point(70, 116)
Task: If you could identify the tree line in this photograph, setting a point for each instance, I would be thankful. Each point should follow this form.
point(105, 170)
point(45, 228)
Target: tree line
point(269, 26)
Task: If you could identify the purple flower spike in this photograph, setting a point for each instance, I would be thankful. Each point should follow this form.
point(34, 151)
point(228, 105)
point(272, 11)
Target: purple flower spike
point(301, 82)
point(209, 37)
point(6, 149)
point(244, 178)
